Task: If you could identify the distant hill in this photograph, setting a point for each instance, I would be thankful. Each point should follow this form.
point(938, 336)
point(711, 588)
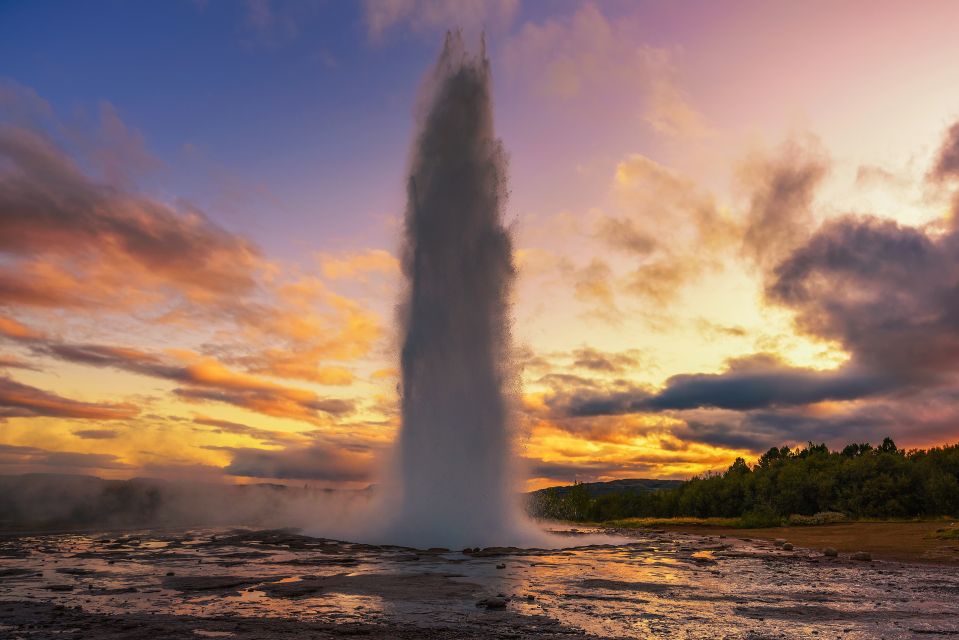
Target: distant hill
point(635, 485)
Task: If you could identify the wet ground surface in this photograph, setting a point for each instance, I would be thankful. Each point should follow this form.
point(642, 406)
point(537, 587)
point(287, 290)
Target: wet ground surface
point(277, 584)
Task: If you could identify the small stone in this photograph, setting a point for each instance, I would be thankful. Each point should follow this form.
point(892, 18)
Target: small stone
point(501, 566)
point(787, 546)
point(864, 556)
point(495, 603)
point(829, 552)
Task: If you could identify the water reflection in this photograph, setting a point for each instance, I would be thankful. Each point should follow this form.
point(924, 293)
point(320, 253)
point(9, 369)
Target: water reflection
point(657, 584)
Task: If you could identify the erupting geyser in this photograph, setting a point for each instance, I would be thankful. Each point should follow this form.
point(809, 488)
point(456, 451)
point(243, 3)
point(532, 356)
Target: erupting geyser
point(454, 457)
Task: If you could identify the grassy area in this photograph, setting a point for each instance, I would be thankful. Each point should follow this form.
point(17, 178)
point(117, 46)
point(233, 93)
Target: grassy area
point(659, 523)
point(752, 522)
point(900, 540)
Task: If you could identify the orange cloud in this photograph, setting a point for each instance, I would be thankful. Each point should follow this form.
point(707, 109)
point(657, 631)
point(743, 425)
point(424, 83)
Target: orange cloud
point(669, 225)
point(204, 379)
point(75, 242)
point(11, 328)
point(266, 436)
point(220, 384)
point(11, 362)
point(19, 400)
point(313, 326)
point(71, 241)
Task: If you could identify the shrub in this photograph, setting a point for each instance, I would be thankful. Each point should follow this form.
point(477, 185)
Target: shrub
point(823, 517)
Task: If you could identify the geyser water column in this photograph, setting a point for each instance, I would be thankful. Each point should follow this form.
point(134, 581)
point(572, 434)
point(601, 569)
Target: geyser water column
point(454, 457)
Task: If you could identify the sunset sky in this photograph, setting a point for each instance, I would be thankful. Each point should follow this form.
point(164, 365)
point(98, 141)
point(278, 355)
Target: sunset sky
point(735, 225)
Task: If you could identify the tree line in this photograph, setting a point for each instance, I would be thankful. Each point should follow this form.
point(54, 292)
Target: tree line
point(858, 481)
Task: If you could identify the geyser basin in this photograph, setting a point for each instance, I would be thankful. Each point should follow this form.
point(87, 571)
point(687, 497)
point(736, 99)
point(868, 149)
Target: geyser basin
point(454, 468)
point(256, 585)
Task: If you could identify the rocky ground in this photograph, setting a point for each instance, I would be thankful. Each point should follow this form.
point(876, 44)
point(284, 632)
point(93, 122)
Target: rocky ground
point(278, 584)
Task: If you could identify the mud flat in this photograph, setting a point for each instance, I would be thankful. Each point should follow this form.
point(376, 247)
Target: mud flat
point(248, 584)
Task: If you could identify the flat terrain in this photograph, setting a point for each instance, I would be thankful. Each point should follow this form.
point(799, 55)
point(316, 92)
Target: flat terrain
point(909, 541)
point(266, 585)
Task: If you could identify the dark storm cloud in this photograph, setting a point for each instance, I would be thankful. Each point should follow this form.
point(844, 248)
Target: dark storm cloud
point(916, 419)
point(576, 396)
point(780, 210)
point(888, 293)
point(19, 400)
point(749, 383)
point(732, 433)
point(744, 389)
point(947, 161)
point(758, 430)
point(600, 402)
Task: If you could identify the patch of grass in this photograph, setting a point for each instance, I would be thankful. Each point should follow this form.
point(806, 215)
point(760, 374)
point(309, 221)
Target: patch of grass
point(757, 519)
point(948, 533)
point(823, 517)
point(653, 523)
